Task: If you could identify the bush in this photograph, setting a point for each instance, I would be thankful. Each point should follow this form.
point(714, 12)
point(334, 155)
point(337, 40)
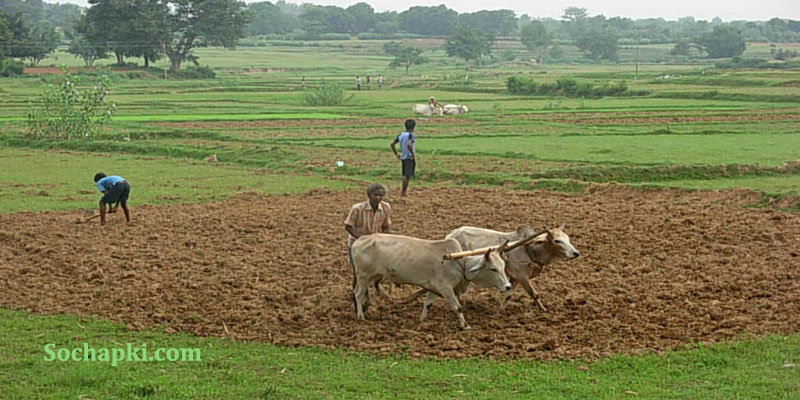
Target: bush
point(66, 112)
point(194, 72)
point(565, 87)
point(10, 67)
point(327, 94)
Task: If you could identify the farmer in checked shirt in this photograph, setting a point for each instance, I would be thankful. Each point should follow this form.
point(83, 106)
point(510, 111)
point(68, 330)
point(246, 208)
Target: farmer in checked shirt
point(371, 216)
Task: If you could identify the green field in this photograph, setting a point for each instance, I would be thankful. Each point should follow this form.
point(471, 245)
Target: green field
point(690, 126)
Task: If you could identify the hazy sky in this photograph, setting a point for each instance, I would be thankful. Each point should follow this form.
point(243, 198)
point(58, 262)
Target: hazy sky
point(668, 9)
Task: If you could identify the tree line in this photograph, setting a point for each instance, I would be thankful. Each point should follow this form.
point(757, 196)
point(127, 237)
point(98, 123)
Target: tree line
point(154, 29)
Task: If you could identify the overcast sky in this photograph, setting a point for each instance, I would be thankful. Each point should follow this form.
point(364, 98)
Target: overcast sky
point(728, 10)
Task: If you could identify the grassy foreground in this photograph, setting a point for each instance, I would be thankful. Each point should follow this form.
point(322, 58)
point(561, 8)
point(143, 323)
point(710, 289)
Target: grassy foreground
point(751, 369)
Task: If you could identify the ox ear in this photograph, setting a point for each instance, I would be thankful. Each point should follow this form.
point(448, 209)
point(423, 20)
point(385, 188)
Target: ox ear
point(477, 267)
point(562, 226)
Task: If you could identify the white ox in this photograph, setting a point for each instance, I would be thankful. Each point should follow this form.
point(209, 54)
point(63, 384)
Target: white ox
point(524, 262)
point(426, 110)
point(419, 262)
point(455, 109)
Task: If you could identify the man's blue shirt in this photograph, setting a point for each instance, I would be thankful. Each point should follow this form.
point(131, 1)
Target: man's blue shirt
point(403, 139)
point(108, 182)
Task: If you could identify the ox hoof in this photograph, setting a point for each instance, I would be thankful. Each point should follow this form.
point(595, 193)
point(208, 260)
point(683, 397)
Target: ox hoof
point(466, 328)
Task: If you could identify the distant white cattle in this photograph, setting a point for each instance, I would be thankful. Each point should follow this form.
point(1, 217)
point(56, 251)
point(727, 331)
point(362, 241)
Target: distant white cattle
point(455, 109)
point(426, 110)
point(420, 262)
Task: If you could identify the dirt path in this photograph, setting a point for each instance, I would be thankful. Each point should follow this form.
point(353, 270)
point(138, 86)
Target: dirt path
point(659, 270)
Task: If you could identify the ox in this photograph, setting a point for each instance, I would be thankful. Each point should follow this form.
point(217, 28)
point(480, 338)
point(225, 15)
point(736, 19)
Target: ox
point(455, 109)
point(420, 262)
point(427, 110)
point(523, 262)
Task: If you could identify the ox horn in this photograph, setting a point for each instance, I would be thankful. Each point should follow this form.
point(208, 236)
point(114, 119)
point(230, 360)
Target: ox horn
point(527, 240)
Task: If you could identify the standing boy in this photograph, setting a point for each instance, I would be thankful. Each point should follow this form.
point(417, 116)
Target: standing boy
point(408, 155)
point(115, 190)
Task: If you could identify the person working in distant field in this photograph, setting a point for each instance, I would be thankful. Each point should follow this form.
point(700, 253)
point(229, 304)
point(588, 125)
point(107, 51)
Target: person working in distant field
point(115, 190)
point(358, 83)
point(434, 104)
point(371, 216)
point(380, 81)
point(407, 155)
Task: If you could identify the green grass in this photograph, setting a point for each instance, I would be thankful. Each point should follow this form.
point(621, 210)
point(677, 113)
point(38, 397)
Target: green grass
point(208, 117)
point(48, 180)
point(750, 369)
point(761, 149)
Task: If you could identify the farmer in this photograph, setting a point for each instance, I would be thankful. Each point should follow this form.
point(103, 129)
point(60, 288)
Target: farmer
point(115, 190)
point(434, 104)
point(407, 155)
point(371, 216)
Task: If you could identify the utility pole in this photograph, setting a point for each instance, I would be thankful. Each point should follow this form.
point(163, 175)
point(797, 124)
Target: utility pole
point(636, 69)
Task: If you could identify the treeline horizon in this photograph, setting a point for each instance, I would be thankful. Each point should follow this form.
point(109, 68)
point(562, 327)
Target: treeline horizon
point(153, 29)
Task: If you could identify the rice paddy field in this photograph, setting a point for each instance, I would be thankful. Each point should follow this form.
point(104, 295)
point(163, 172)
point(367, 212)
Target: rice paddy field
point(244, 258)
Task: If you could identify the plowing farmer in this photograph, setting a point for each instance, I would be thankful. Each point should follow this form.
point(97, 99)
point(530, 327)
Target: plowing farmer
point(371, 216)
point(115, 190)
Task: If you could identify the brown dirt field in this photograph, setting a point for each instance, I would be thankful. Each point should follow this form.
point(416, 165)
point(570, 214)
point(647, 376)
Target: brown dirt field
point(659, 270)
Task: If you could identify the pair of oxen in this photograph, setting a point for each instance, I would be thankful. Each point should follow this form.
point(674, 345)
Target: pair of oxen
point(442, 268)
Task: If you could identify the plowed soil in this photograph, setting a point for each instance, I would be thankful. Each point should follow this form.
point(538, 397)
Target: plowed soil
point(658, 270)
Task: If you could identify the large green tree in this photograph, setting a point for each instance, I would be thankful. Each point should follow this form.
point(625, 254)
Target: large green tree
point(404, 56)
point(268, 18)
point(723, 41)
point(495, 22)
point(43, 40)
point(326, 19)
point(428, 21)
point(468, 43)
point(536, 39)
point(111, 22)
point(598, 40)
point(190, 23)
point(363, 17)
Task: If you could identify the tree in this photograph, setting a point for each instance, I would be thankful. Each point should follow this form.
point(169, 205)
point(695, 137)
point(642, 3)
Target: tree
point(43, 41)
point(681, 48)
point(88, 51)
point(363, 17)
point(574, 18)
point(199, 22)
point(598, 42)
point(404, 56)
point(428, 21)
point(387, 22)
point(536, 39)
point(268, 18)
point(110, 22)
point(326, 19)
point(723, 41)
point(496, 22)
point(468, 43)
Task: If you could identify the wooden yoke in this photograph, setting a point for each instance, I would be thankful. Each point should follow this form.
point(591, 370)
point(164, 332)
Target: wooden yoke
point(505, 247)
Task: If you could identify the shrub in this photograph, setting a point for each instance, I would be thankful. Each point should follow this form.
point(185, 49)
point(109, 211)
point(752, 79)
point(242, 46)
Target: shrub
point(195, 72)
point(565, 87)
point(9, 67)
point(326, 94)
point(66, 112)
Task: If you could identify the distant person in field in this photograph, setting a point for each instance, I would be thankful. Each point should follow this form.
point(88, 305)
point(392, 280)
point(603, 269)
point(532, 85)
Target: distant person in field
point(407, 155)
point(115, 190)
point(380, 81)
point(358, 83)
point(367, 82)
point(433, 103)
point(371, 216)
